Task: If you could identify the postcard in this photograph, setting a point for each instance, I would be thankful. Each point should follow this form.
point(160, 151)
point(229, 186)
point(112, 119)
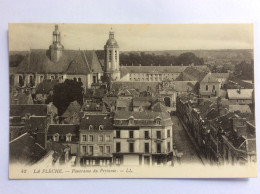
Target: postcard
point(131, 101)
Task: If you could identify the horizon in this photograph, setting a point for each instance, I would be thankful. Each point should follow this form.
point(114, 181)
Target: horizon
point(134, 37)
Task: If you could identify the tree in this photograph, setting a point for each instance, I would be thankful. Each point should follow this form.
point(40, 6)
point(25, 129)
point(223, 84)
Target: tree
point(67, 92)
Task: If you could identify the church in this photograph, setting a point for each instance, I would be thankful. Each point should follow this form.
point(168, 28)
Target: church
point(58, 63)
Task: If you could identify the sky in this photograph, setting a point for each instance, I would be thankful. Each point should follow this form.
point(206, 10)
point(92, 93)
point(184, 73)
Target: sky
point(133, 37)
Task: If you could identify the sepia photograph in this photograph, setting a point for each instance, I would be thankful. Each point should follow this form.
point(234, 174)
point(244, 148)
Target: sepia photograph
point(131, 101)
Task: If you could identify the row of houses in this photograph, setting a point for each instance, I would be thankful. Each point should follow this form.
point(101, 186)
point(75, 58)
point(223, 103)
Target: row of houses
point(224, 134)
point(99, 137)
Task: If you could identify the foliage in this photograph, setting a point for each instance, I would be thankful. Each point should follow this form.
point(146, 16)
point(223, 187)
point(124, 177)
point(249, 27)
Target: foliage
point(245, 70)
point(65, 93)
point(144, 59)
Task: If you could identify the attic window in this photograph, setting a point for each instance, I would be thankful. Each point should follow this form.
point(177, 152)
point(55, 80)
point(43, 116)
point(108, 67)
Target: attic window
point(158, 121)
point(101, 127)
point(56, 137)
point(131, 121)
point(90, 127)
point(68, 137)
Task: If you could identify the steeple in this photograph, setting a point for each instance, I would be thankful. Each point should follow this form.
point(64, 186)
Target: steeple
point(56, 48)
point(112, 57)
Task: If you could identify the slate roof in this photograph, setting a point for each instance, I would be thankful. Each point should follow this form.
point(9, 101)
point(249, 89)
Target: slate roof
point(46, 86)
point(242, 108)
point(146, 118)
point(125, 103)
point(243, 94)
point(221, 75)
point(159, 107)
point(152, 69)
point(209, 78)
point(35, 109)
point(72, 108)
point(141, 102)
point(71, 62)
point(192, 73)
point(63, 129)
point(25, 149)
point(21, 98)
point(96, 120)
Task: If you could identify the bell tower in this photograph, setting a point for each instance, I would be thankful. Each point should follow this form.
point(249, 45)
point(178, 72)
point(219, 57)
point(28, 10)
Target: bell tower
point(56, 48)
point(112, 57)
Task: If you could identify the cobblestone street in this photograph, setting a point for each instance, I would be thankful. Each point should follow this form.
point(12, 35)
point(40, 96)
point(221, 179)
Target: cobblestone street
point(184, 146)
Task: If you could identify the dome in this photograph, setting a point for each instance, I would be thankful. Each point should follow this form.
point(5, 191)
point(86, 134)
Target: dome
point(111, 42)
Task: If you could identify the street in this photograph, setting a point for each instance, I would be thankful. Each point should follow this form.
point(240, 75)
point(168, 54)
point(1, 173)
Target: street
point(183, 144)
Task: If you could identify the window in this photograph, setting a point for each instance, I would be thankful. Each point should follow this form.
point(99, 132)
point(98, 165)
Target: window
point(21, 80)
point(90, 127)
point(131, 121)
point(91, 138)
point(158, 121)
point(169, 146)
point(168, 133)
point(131, 147)
point(84, 149)
point(56, 137)
point(213, 87)
point(158, 147)
point(100, 138)
point(68, 137)
point(91, 149)
point(79, 79)
point(107, 138)
point(52, 77)
point(131, 134)
point(101, 149)
point(207, 87)
point(41, 78)
point(118, 147)
point(146, 134)
point(101, 127)
point(158, 134)
point(84, 138)
point(117, 134)
point(94, 79)
point(146, 147)
point(108, 149)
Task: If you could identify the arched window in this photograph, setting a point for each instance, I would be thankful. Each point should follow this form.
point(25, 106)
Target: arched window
point(131, 121)
point(75, 79)
point(90, 127)
point(79, 79)
point(20, 80)
point(101, 127)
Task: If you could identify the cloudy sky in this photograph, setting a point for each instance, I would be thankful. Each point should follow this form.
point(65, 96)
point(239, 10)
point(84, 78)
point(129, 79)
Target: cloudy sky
point(136, 37)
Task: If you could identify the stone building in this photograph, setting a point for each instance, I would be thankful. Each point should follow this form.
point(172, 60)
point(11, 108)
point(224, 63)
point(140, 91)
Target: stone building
point(142, 138)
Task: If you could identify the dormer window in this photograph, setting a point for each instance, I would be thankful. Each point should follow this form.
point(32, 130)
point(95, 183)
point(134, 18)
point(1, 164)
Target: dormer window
point(158, 121)
point(56, 137)
point(90, 127)
point(101, 127)
point(68, 137)
point(131, 121)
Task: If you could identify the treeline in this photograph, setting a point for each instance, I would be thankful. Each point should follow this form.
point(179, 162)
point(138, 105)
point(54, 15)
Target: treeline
point(245, 70)
point(136, 59)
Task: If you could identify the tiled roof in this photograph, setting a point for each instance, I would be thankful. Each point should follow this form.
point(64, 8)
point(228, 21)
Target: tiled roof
point(46, 86)
point(96, 120)
point(63, 129)
point(25, 149)
point(35, 109)
point(239, 93)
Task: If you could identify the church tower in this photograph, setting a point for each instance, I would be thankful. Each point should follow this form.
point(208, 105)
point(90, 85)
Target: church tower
point(112, 57)
point(56, 48)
